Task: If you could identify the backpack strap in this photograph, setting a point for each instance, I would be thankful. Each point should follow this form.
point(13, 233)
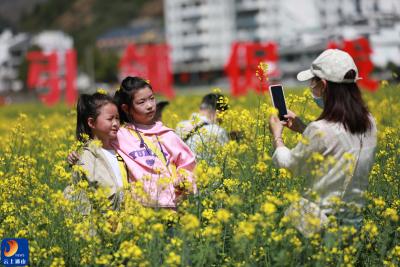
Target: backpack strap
point(170, 167)
point(123, 170)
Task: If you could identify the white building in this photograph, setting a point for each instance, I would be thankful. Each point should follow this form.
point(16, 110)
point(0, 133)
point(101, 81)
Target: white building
point(377, 19)
point(374, 13)
point(257, 20)
point(201, 32)
point(386, 46)
point(12, 52)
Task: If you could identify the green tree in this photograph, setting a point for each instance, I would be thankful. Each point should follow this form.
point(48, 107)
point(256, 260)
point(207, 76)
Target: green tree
point(106, 66)
point(395, 70)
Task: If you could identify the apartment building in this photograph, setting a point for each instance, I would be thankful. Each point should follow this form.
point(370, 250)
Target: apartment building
point(200, 32)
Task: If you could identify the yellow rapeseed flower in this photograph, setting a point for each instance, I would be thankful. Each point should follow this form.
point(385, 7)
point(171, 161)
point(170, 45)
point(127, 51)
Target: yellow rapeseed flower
point(268, 208)
point(223, 215)
point(173, 259)
point(391, 214)
point(189, 222)
point(101, 91)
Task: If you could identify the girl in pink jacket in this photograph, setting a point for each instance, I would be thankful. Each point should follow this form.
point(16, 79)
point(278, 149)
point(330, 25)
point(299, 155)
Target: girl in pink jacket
point(160, 162)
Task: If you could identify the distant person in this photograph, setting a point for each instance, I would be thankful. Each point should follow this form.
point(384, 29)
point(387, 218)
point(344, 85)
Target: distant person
point(202, 131)
point(344, 134)
point(98, 121)
point(160, 106)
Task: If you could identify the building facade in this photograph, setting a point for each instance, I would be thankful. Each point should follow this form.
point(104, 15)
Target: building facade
point(12, 52)
point(201, 32)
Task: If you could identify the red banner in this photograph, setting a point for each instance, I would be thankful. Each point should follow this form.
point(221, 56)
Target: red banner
point(360, 50)
point(243, 66)
point(70, 77)
point(45, 72)
point(150, 62)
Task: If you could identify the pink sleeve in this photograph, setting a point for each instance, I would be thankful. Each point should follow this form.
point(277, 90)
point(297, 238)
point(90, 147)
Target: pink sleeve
point(182, 157)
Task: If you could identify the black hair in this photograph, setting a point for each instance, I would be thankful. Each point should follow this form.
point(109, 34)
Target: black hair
point(215, 102)
point(344, 104)
point(125, 94)
point(88, 107)
point(159, 109)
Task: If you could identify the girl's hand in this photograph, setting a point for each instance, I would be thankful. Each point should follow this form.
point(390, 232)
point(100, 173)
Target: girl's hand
point(293, 122)
point(180, 191)
point(73, 158)
point(275, 126)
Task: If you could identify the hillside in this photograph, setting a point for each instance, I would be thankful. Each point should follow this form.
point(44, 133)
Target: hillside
point(86, 19)
point(12, 10)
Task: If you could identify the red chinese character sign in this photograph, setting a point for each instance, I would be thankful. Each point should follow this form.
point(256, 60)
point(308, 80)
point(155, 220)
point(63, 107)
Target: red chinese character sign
point(243, 66)
point(46, 71)
point(360, 50)
point(150, 62)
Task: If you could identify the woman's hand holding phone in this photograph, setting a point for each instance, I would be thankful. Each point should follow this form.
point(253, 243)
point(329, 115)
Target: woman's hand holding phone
point(293, 122)
point(276, 126)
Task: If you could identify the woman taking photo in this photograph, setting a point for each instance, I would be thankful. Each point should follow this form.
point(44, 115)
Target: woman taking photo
point(344, 135)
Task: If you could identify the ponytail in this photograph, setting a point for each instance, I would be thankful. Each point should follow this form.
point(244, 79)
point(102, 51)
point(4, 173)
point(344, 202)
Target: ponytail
point(89, 107)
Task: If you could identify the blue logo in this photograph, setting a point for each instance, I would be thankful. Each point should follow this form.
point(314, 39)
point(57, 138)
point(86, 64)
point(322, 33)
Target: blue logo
point(14, 252)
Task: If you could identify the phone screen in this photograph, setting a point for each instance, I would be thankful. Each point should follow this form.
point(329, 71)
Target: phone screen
point(279, 100)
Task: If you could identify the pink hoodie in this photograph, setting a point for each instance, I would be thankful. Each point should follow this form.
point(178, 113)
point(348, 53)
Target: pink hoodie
point(143, 164)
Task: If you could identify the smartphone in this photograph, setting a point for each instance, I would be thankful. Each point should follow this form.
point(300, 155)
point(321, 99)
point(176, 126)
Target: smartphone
point(278, 100)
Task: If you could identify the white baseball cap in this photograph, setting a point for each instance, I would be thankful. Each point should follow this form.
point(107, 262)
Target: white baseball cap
point(332, 65)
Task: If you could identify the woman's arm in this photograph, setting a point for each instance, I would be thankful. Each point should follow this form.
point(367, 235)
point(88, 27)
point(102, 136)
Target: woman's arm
point(276, 127)
point(295, 159)
point(183, 158)
point(294, 123)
